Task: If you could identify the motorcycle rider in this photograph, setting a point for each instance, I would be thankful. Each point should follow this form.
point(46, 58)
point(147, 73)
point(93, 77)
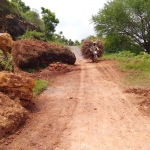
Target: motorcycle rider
point(94, 48)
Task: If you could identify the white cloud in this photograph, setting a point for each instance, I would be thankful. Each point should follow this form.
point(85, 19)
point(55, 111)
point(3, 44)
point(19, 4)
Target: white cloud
point(74, 15)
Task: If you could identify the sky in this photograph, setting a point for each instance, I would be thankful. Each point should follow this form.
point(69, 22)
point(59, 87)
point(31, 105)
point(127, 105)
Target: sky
point(74, 15)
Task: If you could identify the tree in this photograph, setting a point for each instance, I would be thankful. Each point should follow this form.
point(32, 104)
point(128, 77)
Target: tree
point(76, 42)
point(8, 7)
point(60, 38)
point(50, 22)
point(115, 43)
point(33, 17)
point(127, 18)
point(22, 5)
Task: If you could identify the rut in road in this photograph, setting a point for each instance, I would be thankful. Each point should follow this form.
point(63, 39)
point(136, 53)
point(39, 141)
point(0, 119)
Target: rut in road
point(104, 118)
point(85, 110)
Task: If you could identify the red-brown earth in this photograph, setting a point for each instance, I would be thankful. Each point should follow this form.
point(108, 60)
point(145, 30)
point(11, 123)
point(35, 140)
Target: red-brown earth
point(86, 108)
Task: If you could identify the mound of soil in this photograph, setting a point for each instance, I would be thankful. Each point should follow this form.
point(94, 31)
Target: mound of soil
point(12, 115)
point(142, 96)
point(48, 73)
point(31, 54)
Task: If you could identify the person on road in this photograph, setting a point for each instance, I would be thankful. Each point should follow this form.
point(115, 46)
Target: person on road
point(69, 42)
point(94, 47)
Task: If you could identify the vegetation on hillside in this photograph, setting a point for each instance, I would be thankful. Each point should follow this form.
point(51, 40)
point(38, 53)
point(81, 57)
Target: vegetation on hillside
point(9, 8)
point(47, 23)
point(6, 62)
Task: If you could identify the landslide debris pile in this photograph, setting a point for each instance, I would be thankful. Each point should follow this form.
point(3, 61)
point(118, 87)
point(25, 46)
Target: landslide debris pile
point(13, 88)
point(52, 70)
point(16, 86)
point(14, 91)
point(12, 115)
point(37, 54)
point(85, 49)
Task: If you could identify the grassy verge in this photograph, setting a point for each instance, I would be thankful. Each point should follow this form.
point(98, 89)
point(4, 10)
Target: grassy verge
point(137, 67)
point(41, 85)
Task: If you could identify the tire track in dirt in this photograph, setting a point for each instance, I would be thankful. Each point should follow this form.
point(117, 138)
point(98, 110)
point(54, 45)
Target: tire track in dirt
point(108, 72)
point(85, 110)
point(104, 118)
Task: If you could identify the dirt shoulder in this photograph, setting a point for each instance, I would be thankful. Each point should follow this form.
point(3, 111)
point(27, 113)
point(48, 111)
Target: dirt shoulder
point(85, 109)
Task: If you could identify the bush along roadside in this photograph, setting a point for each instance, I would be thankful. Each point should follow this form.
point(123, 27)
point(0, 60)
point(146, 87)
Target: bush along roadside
point(136, 67)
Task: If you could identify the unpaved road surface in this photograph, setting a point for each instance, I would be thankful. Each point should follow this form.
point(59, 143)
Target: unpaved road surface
point(86, 109)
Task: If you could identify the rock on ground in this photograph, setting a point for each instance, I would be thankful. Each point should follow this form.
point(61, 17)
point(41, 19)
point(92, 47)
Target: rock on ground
point(6, 42)
point(16, 86)
point(12, 115)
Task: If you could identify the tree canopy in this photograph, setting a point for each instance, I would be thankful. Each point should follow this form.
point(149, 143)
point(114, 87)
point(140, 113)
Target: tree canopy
point(22, 5)
point(126, 18)
point(50, 22)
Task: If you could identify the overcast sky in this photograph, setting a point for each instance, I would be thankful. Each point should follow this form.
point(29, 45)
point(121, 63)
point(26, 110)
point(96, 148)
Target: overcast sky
point(74, 15)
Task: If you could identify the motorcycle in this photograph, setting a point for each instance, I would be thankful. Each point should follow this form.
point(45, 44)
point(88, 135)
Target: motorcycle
point(95, 56)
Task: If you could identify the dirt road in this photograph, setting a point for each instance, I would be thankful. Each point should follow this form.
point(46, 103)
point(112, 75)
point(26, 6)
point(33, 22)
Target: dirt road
point(86, 109)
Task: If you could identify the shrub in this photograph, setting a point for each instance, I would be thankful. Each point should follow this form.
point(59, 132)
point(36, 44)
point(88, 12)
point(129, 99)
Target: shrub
point(125, 54)
point(33, 35)
point(6, 62)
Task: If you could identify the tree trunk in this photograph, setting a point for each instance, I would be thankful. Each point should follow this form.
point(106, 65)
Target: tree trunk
point(147, 47)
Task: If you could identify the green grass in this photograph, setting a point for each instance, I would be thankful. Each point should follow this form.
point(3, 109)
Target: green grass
point(41, 85)
point(137, 67)
point(110, 56)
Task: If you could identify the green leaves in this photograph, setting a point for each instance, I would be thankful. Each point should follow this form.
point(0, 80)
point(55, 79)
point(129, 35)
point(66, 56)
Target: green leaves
point(33, 17)
point(22, 5)
point(6, 61)
point(50, 22)
point(41, 85)
point(125, 17)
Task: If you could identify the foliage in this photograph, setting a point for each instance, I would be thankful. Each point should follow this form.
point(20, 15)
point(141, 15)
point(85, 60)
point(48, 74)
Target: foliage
point(40, 86)
point(127, 18)
point(136, 66)
point(33, 17)
point(91, 37)
point(115, 43)
point(76, 42)
point(70, 42)
point(125, 54)
point(47, 24)
point(50, 22)
point(33, 35)
point(6, 62)
point(21, 5)
point(9, 8)
point(130, 60)
point(60, 38)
